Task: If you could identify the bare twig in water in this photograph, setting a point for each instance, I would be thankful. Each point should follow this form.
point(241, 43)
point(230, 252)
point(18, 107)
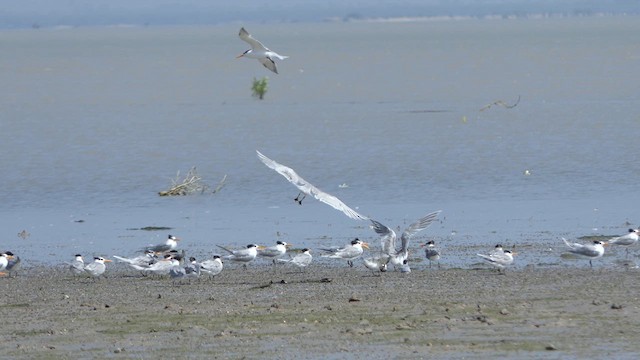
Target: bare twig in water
point(190, 184)
point(501, 103)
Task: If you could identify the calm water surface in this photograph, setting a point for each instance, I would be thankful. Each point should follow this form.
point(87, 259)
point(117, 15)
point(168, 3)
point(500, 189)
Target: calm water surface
point(96, 121)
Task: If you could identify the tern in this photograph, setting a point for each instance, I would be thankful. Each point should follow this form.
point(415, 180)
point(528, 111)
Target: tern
point(13, 263)
point(77, 265)
point(376, 263)
point(189, 271)
point(170, 244)
point(625, 240)
point(388, 241)
point(243, 255)
point(431, 252)
point(498, 259)
point(274, 252)
point(587, 251)
point(212, 267)
point(307, 189)
point(4, 261)
point(97, 267)
point(161, 267)
point(350, 252)
point(301, 260)
point(145, 260)
point(259, 52)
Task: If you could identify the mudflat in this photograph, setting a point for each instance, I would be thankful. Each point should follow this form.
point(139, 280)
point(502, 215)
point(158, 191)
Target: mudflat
point(323, 313)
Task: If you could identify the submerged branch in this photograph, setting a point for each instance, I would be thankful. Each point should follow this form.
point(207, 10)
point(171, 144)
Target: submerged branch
point(190, 184)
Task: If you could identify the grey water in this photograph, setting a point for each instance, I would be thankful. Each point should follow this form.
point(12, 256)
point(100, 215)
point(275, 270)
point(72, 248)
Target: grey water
point(385, 115)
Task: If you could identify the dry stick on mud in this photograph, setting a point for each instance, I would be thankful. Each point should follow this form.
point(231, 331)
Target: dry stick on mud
point(501, 103)
point(192, 183)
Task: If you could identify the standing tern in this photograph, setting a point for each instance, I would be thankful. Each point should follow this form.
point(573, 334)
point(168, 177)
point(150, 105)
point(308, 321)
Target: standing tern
point(189, 271)
point(587, 251)
point(308, 189)
point(213, 266)
point(376, 263)
point(4, 261)
point(13, 263)
point(388, 241)
point(350, 252)
point(145, 260)
point(242, 255)
point(76, 266)
point(301, 260)
point(274, 252)
point(170, 244)
point(259, 52)
point(431, 252)
point(499, 259)
point(625, 240)
point(97, 267)
point(161, 267)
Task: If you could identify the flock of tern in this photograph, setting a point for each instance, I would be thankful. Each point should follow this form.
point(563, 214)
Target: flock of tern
point(164, 259)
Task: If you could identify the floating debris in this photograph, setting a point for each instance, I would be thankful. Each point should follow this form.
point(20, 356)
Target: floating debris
point(501, 103)
point(191, 184)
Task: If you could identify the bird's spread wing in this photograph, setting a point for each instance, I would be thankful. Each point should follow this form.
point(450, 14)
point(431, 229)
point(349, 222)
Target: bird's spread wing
point(269, 64)
point(417, 226)
point(255, 44)
point(388, 239)
point(309, 189)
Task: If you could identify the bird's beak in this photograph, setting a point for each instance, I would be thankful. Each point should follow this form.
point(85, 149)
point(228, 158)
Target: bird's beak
point(514, 253)
point(9, 256)
point(606, 244)
point(288, 245)
point(107, 260)
point(239, 56)
point(423, 245)
point(261, 247)
point(177, 239)
point(365, 245)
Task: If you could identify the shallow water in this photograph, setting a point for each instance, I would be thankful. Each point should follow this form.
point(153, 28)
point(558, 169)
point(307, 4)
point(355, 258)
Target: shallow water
point(96, 121)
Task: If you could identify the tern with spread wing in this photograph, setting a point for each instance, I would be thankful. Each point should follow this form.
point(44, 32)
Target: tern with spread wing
point(587, 251)
point(308, 189)
point(259, 52)
point(398, 257)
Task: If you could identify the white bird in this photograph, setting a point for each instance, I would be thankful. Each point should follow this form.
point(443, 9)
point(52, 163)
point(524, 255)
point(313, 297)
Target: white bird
point(626, 240)
point(349, 252)
point(4, 261)
point(213, 266)
point(13, 263)
point(97, 266)
point(301, 260)
point(259, 52)
point(189, 271)
point(145, 260)
point(588, 251)
point(499, 259)
point(161, 267)
point(77, 265)
point(431, 252)
point(170, 244)
point(497, 250)
point(274, 252)
point(242, 255)
point(376, 263)
point(388, 241)
point(307, 188)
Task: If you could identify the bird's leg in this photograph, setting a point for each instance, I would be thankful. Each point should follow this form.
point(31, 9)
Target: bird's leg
point(590, 264)
point(299, 199)
point(350, 263)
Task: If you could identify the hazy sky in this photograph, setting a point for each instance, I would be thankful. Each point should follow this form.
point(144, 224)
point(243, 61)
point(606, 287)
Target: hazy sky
point(26, 13)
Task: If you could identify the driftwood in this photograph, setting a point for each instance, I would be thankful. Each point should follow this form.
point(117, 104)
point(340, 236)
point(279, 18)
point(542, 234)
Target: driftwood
point(191, 184)
point(501, 103)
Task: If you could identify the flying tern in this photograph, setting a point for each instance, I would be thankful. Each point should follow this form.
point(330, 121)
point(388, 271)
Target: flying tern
point(259, 52)
point(349, 252)
point(96, 267)
point(625, 240)
point(308, 189)
point(242, 255)
point(431, 252)
point(388, 241)
point(301, 260)
point(213, 266)
point(587, 251)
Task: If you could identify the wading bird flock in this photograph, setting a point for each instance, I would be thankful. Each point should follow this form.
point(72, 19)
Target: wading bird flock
point(164, 259)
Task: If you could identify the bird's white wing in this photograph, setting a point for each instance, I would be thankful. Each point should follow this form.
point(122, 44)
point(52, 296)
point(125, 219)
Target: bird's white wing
point(309, 189)
point(388, 239)
point(269, 64)
point(255, 44)
point(417, 226)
